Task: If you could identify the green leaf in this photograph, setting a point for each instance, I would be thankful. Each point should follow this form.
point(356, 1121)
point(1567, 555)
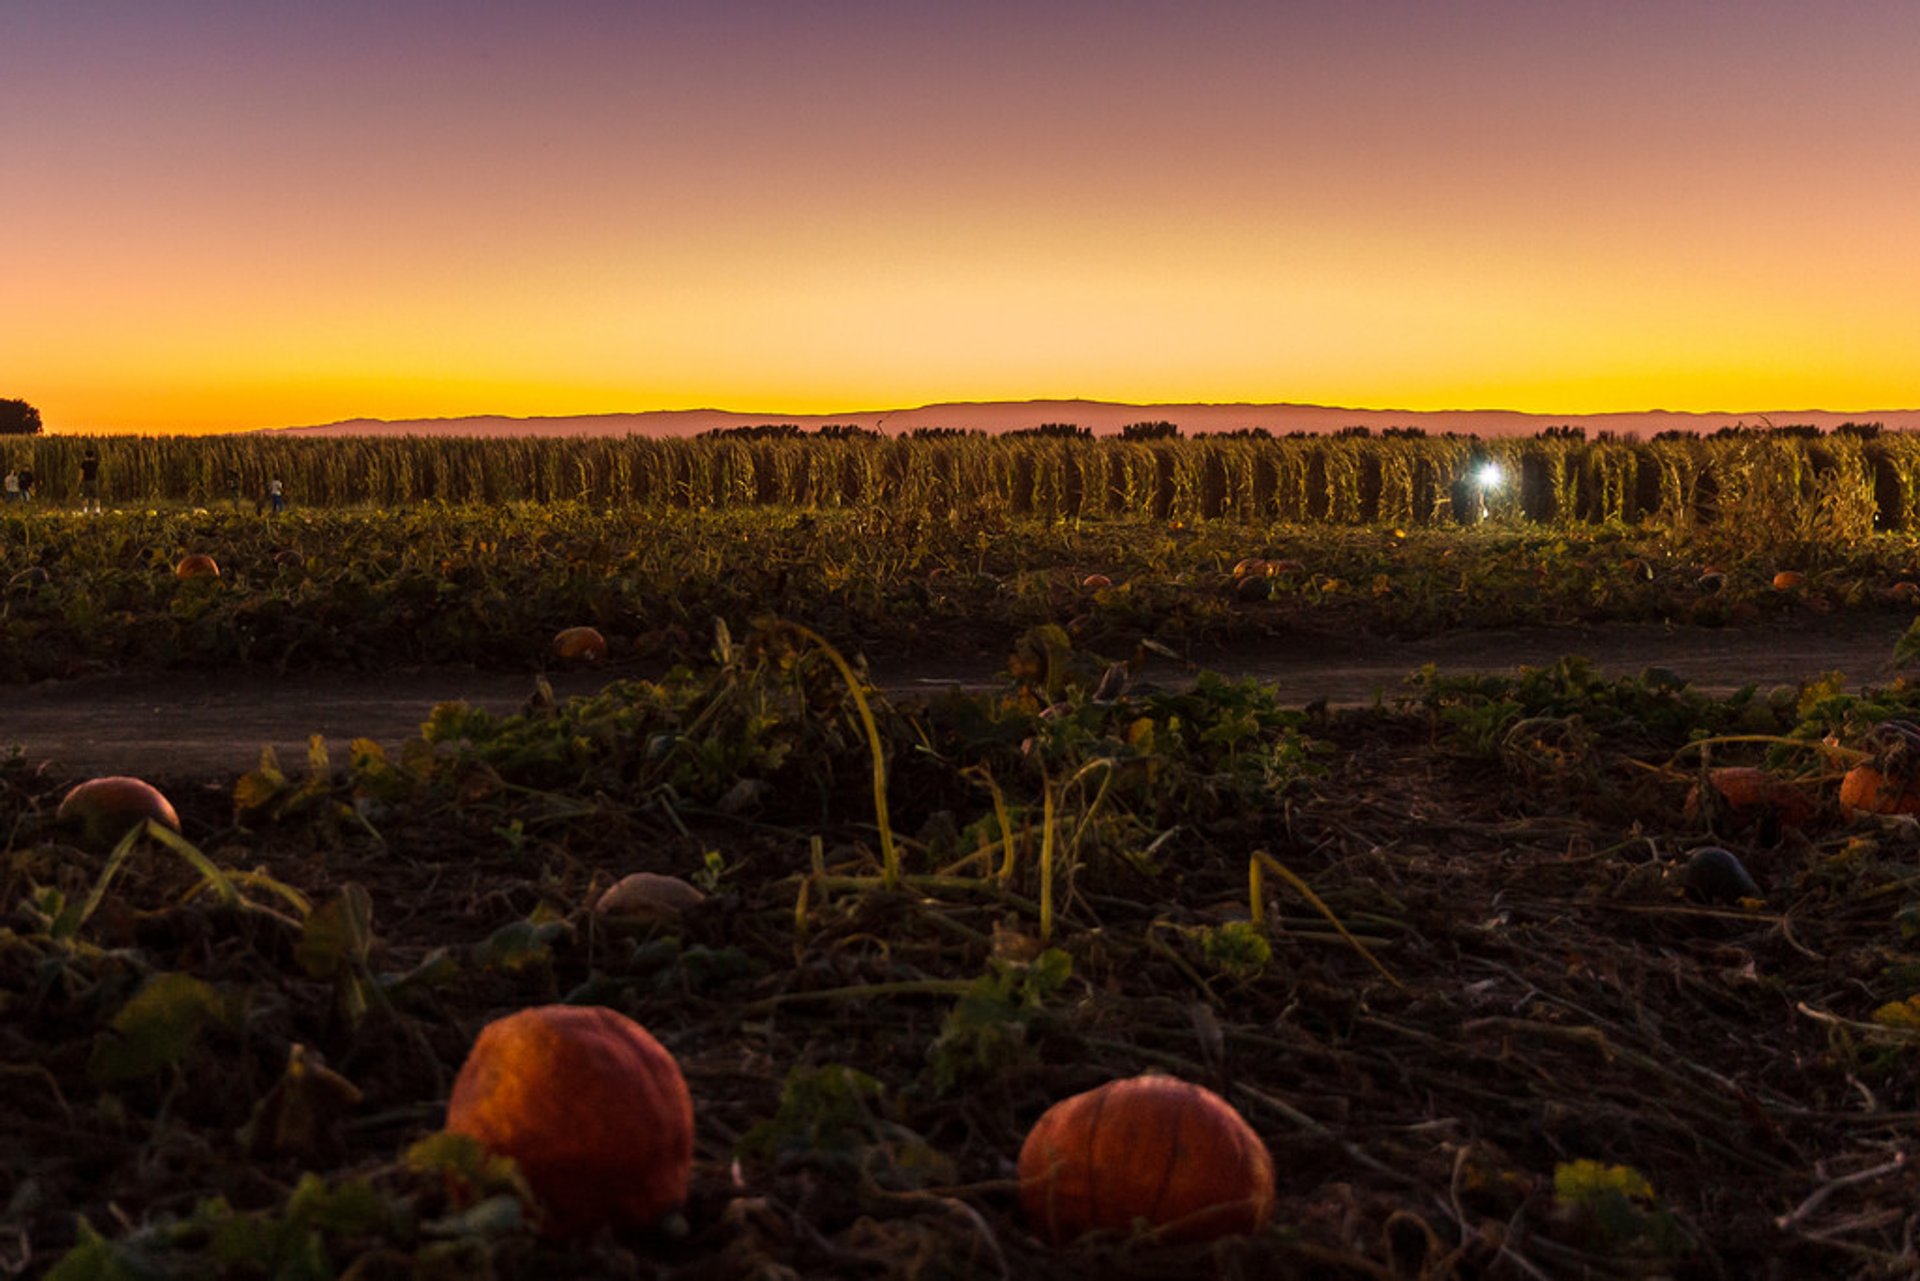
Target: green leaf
point(520, 944)
point(1585, 1180)
point(216, 880)
point(831, 1108)
point(436, 969)
point(836, 1117)
point(461, 1161)
point(73, 916)
point(95, 1258)
point(1900, 1014)
point(446, 1152)
point(1907, 648)
point(256, 790)
point(986, 1031)
point(1237, 949)
point(338, 935)
point(351, 1208)
point(496, 1216)
point(155, 1029)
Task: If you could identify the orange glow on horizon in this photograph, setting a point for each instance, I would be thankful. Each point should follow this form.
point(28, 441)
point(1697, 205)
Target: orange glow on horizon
point(282, 220)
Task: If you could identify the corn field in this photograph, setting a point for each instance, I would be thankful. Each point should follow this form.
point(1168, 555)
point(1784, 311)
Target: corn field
point(1833, 486)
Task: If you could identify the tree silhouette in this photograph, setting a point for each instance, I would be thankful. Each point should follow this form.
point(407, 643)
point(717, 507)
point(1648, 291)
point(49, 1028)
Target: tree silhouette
point(18, 418)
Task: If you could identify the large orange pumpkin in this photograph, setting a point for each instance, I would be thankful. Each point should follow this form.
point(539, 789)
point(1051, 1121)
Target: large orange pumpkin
point(591, 1107)
point(106, 807)
point(1868, 790)
point(1150, 1148)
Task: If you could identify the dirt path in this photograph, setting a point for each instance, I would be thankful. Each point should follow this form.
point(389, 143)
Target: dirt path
point(190, 725)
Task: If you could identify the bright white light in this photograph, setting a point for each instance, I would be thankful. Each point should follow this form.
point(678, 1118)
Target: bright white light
point(1488, 477)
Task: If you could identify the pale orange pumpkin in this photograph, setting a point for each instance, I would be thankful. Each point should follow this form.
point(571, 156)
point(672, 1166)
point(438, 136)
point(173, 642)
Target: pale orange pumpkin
point(1094, 582)
point(1152, 1149)
point(198, 565)
point(580, 645)
point(648, 896)
point(590, 1106)
point(1866, 789)
point(106, 807)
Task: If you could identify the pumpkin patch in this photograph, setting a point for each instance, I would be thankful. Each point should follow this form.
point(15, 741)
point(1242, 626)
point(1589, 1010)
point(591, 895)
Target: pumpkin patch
point(1533, 967)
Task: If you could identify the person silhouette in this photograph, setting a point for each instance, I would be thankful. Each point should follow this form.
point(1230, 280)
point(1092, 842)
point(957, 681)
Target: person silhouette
point(90, 480)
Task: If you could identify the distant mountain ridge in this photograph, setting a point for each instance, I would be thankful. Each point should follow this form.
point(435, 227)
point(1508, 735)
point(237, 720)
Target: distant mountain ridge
point(1108, 417)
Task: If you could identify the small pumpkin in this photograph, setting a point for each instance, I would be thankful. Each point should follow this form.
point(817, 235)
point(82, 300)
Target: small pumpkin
point(648, 896)
point(1788, 580)
point(1094, 582)
point(590, 1106)
point(106, 807)
point(580, 645)
point(1148, 1148)
point(1867, 789)
point(1715, 875)
point(198, 565)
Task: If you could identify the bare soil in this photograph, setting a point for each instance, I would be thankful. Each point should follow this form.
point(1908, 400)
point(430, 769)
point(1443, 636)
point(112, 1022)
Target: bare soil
point(192, 724)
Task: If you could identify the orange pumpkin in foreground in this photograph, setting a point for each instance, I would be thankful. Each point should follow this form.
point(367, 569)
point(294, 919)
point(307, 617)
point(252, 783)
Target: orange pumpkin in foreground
point(198, 565)
point(1150, 1148)
point(1867, 790)
point(1788, 580)
point(580, 645)
point(106, 807)
point(591, 1107)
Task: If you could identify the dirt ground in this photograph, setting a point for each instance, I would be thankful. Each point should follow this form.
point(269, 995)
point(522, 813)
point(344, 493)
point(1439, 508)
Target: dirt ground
point(186, 725)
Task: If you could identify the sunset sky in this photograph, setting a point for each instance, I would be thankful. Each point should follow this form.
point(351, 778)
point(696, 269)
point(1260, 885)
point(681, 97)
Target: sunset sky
point(240, 213)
